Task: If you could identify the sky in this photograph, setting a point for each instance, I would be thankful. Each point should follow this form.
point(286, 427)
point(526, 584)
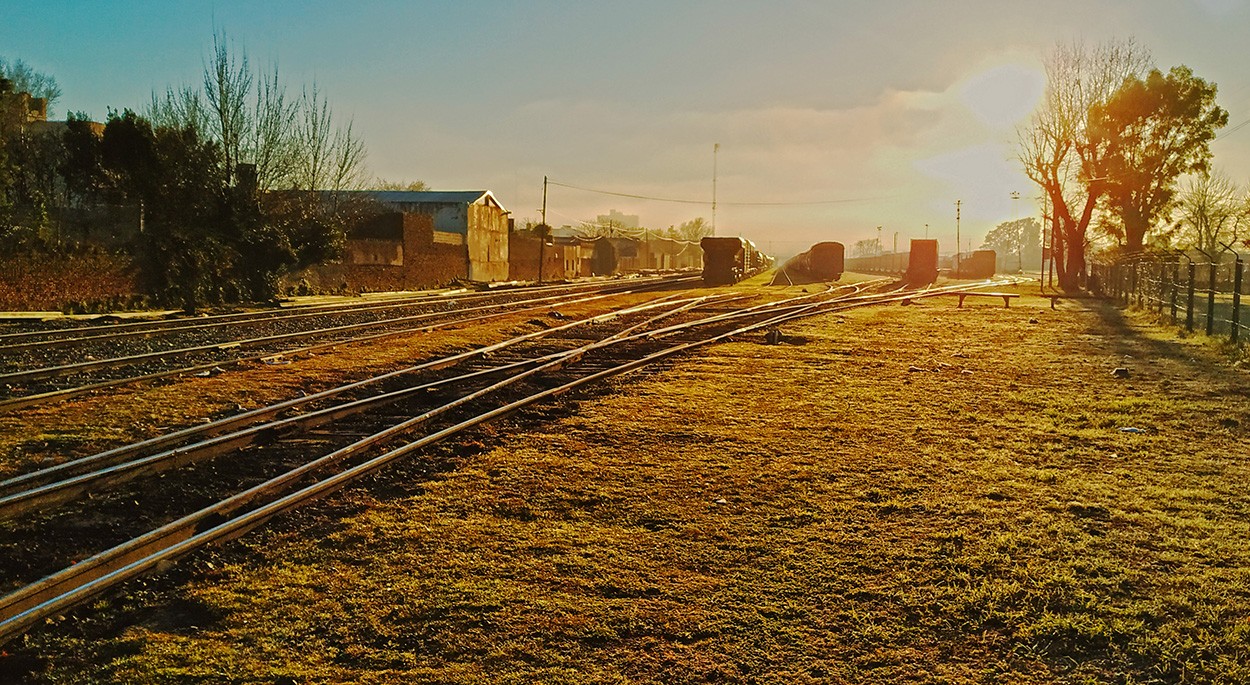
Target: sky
point(832, 117)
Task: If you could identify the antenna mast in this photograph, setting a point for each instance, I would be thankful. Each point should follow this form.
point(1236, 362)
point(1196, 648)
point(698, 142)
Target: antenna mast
point(715, 150)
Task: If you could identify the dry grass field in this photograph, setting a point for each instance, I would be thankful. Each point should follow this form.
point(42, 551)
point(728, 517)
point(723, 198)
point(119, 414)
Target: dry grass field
point(908, 494)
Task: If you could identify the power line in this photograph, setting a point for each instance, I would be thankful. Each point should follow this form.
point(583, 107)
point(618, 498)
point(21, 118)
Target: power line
point(707, 203)
point(1234, 129)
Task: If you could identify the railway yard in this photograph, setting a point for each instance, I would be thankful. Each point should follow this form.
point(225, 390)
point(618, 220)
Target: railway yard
point(626, 480)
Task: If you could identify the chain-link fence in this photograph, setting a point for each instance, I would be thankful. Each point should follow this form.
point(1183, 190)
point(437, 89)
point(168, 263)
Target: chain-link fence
point(1201, 294)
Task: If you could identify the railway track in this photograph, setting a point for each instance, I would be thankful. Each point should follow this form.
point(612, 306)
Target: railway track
point(440, 407)
point(28, 385)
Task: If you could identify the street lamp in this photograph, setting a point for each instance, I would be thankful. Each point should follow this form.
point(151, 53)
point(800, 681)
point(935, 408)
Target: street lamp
point(957, 206)
point(1015, 208)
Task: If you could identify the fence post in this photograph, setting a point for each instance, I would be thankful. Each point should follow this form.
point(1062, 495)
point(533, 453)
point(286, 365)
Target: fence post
point(1189, 307)
point(1211, 298)
point(1163, 284)
point(1176, 277)
point(1237, 269)
point(1137, 284)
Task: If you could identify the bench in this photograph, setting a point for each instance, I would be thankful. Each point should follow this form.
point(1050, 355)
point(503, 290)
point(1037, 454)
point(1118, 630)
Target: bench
point(1006, 296)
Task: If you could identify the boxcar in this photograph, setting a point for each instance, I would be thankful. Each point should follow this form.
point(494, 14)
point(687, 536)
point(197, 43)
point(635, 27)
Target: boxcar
point(980, 264)
point(728, 260)
point(922, 262)
point(822, 262)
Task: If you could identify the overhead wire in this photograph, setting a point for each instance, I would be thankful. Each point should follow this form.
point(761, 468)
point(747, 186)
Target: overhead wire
point(1233, 130)
point(706, 203)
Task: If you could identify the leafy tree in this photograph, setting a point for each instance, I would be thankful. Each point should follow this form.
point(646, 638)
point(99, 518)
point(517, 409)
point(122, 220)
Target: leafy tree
point(694, 230)
point(129, 158)
point(1150, 132)
point(1016, 242)
point(1057, 151)
point(83, 164)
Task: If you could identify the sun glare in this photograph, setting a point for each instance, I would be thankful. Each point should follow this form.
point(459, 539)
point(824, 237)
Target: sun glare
point(1003, 96)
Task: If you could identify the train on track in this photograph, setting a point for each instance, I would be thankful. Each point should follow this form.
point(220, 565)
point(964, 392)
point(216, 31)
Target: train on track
point(728, 260)
point(823, 261)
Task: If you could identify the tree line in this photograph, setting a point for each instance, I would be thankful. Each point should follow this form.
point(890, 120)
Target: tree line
point(229, 184)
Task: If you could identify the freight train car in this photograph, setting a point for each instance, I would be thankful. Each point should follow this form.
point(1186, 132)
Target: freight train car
point(729, 260)
point(922, 263)
point(980, 264)
point(822, 262)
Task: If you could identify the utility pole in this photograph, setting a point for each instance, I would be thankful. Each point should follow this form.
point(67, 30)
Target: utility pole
point(715, 151)
point(543, 233)
point(880, 247)
point(957, 204)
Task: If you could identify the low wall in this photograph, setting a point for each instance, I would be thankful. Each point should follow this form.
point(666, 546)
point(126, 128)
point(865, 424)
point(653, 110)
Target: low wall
point(523, 259)
point(43, 282)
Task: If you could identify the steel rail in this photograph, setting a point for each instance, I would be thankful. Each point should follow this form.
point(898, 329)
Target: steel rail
point(79, 575)
point(394, 300)
point(46, 598)
point(67, 369)
point(155, 328)
point(46, 488)
point(35, 479)
point(71, 480)
point(57, 336)
point(24, 401)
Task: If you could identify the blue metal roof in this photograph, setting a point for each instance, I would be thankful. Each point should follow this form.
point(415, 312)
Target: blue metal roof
point(464, 197)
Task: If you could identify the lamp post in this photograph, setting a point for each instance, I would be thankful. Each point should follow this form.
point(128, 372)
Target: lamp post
point(1015, 209)
point(715, 153)
point(543, 233)
point(957, 204)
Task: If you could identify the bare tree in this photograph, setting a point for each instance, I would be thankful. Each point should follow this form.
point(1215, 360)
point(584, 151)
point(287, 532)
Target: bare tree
point(294, 144)
point(270, 142)
point(180, 109)
point(383, 184)
point(1056, 148)
point(348, 172)
point(227, 85)
point(1211, 209)
point(26, 80)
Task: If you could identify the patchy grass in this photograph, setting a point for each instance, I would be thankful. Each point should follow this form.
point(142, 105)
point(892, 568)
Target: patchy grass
point(815, 512)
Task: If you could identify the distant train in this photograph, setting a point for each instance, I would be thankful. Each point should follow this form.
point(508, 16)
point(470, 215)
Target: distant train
point(729, 260)
point(979, 264)
point(822, 262)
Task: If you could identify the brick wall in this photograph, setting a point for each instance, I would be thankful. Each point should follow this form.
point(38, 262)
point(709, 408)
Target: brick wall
point(49, 282)
point(523, 259)
point(430, 264)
